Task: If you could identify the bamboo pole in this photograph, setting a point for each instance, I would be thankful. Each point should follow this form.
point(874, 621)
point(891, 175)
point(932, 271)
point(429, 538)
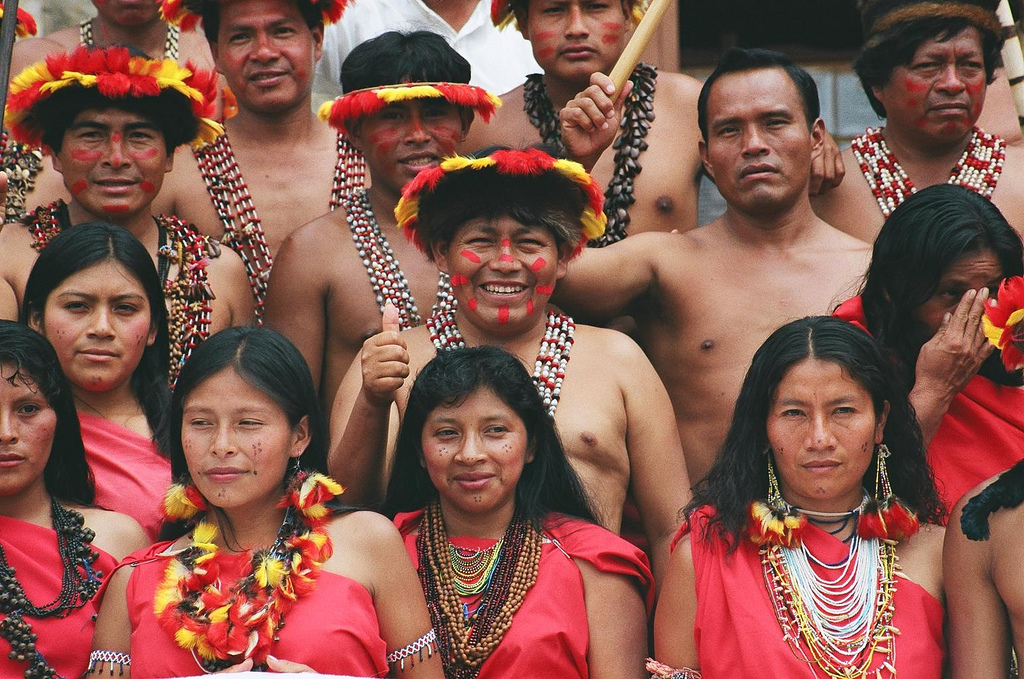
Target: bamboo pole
point(1013, 59)
point(8, 25)
point(630, 56)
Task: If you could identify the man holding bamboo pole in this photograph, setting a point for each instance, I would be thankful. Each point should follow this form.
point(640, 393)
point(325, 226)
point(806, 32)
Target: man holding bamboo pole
point(925, 67)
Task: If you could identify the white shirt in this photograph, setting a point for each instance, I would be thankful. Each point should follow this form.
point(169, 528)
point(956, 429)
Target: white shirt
point(501, 60)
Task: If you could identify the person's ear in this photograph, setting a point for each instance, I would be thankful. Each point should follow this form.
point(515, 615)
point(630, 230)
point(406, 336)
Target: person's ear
point(300, 437)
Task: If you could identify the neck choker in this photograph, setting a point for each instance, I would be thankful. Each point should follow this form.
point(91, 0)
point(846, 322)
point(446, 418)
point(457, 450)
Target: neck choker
point(170, 43)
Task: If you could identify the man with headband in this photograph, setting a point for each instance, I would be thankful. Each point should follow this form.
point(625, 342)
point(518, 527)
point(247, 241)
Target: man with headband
point(407, 106)
point(925, 67)
point(504, 226)
point(111, 122)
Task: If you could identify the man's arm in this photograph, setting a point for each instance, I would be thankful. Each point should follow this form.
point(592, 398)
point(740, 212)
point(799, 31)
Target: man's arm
point(231, 286)
point(978, 627)
point(658, 477)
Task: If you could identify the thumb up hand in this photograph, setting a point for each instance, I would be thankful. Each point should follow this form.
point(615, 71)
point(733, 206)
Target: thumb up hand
point(385, 360)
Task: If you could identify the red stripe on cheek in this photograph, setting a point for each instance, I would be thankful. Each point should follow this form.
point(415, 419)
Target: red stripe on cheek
point(458, 279)
point(611, 38)
point(144, 154)
point(147, 186)
point(611, 25)
point(529, 307)
point(544, 35)
point(503, 314)
point(545, 52)
point(84, 156)
point(471, 303)
point(545, 289)
point(539, 264)
point(471, 256)
point(913, 85)
point(115, 208)
point(975, 88)
point(79, 186)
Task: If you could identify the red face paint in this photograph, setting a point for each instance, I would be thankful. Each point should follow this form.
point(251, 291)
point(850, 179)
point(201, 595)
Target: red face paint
point(914, 85)
point(506, 244)
point(538, 264)
point(115, 208)
point(144, 154)
point(147, 186)
point(503, 314)
point(611, 38)
point(79, 186)
point(545, 52)
point(83, 156)
point(543, 35)
point(471, 303)
point(912, 103)
point(506, 258)
point(116, 137)
point(545, 289)
point(471, 256)
point(529, 307)
point(611, 25)
point(950, 127)
point(974, 89)
point(458, 279)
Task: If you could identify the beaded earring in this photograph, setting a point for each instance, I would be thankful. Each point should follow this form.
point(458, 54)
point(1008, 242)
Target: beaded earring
point(885, 517)
point(773, 521)
point(183, 501)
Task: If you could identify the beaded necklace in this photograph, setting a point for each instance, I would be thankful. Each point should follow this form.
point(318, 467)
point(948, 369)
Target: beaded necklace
point(22, 164)
point(628, 145)
point(188, 294)
point(978, 169)
point(79, 583)
point(548, 369)
point(386, 276)
point(840, 621)
point(466, 643)
point(243, 229)
point(472, 568)
point(170, 43)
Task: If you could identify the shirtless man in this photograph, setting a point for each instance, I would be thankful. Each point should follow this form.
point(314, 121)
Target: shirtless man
point(925, 72)
point(112, 153)
point(705, 300)
point(276, 167)
point(504, 231)
point(323, 296)
point(981, 558)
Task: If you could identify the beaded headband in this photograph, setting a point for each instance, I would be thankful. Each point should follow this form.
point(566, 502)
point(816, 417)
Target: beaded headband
point(513, 163)
point(1002, 322)
point(358, 103)
point(983, 18)
point(186, 13)
point(116, 75)
point(502, 14)
point(26, 23)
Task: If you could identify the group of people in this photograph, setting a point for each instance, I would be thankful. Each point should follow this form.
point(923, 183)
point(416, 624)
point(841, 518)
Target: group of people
point(804, 453)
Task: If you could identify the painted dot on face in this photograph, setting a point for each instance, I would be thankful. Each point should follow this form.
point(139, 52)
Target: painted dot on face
point(545, 289)
point(529, 307)
point(116, 137)
point(503, 314)
point(471, 256)
point(506, 244)
point(115, 208)
point(506, 258)
point(79, 186)
point(147, 186)
point(85, 156)
point(913, 85)
point(471, 303)
point(458, 279)
point(538, 264)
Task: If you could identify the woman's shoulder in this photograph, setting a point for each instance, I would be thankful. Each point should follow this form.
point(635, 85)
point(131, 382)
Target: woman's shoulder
point(116, 534)
point(595, 544)
point(362, 530)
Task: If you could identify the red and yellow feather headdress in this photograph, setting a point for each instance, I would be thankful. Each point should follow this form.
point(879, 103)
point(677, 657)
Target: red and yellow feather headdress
point(358, 103)
point(186, 13)
point(1003, 322)
point(26, 26)
point(508, 162)
point(503, 14)
point(115, 74)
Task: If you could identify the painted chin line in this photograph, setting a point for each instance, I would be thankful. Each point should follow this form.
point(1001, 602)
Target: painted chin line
point(503, 313)
point(116, 208)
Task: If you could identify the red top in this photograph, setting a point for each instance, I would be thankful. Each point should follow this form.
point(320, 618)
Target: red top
point(738, 634)
point(981, 434)
point(549, 635)
point(64, 642)
point(333, 630)
point(131, 475)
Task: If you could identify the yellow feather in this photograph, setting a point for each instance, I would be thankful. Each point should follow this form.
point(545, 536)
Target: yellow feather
point(992, 331)
point(185, 638)
point(220, 614)
point(270, 571)
point(324, 112)
point(406, 210)
point(393, 94)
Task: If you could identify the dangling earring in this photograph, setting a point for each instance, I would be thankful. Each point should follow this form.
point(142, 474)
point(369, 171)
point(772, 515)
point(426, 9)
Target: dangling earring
point(773, 521)
point(182, 501)
point(885, 517)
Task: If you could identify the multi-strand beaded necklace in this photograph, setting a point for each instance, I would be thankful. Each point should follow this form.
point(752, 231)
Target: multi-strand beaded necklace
point(170, 43)
point(22, 164)
point(466, 643)
point(978, 169)
point(188, 294)
point(79, 584)
point(548, 369)
point(628, 145)
point(243, 229)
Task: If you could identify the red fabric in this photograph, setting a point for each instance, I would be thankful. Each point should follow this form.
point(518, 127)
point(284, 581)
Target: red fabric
point(549, 636)
point(333, 630)
point(981, 435)
point(738, 634)
point(131, 475)
point(64, 642)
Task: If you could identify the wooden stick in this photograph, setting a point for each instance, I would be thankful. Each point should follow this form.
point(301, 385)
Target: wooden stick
point(1013, 59)
point(8, 25)
point(630, 56)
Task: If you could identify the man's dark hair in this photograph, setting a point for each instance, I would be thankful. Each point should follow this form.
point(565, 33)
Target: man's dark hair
point(740, 60)
point(897, 46)
point(394, 57)
point(209, 10)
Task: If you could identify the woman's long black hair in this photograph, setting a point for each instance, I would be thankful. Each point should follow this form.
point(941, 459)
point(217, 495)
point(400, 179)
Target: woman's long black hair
point(740, 474)
point(87, 245)
point(26, 357)
point(548, 483)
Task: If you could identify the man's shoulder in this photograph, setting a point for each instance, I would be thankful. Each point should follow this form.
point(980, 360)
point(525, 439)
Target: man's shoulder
point(16, 244)
point(678, 88)
point(610, 347)
point(323, 239)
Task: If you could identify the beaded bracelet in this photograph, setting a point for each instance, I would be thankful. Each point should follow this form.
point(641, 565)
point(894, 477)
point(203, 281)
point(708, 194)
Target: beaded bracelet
point(661, 671)
point(428, 641)
point(111, 658)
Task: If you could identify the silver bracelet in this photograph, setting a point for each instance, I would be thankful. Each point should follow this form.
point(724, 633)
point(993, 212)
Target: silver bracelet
point(427, 642)
point(111, 658)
